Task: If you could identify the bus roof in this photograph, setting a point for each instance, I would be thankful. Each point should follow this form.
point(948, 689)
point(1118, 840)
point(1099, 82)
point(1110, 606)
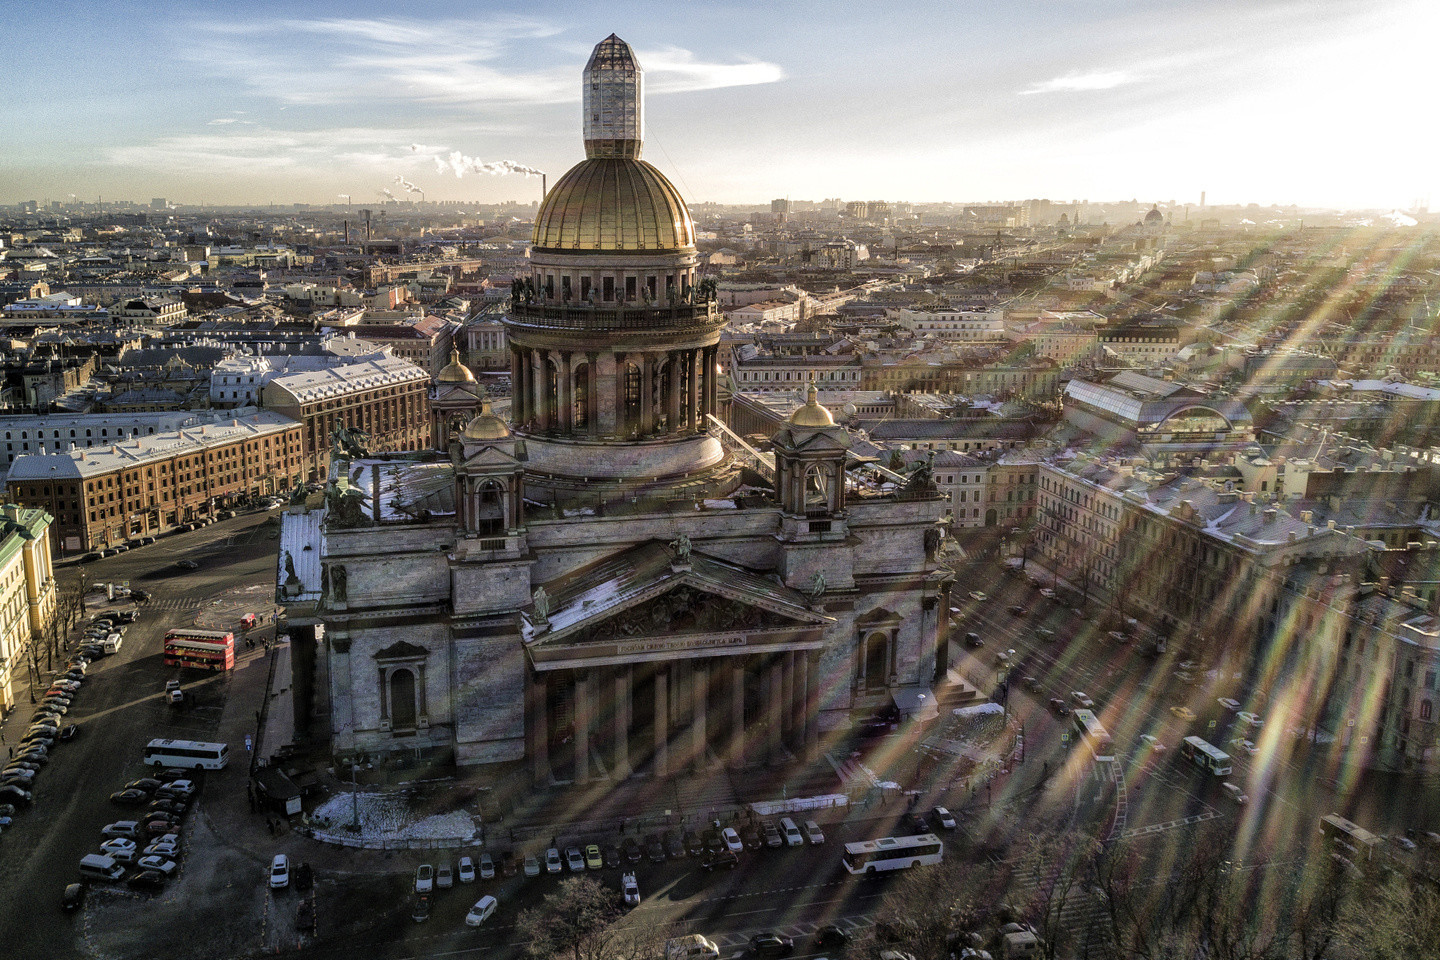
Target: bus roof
point(189, 634)
point(890, 843)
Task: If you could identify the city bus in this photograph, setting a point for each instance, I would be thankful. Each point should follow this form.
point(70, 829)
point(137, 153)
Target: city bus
point(1356, 842)
point(893, 853)
point(188, 754)
point(1205, 756)
point(1094, 735)
point(200, 649)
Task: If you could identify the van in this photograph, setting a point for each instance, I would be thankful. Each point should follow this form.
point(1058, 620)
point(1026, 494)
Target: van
point(1235, 793)
point(111, 644)
point(793, 836)
point(97, 866)
point(692, 947)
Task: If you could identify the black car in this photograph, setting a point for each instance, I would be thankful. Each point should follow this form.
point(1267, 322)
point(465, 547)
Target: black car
point(167, 806)
point(421, 913)
point(130, 798)
point(1058, 705)
point(771, 945)
point(1014, 608)
point(674, 846)
point(724, 860)
point(654, 849)
point(612, 855)
point(73, 898)
point(192, 565)
point(714, 843)
point(750, 836)
point(631, 849)
point(140, 596)
point(174, 773)
point(973, 641)
point(148, 784)
point(18, 796)
point(919, 824)
point(90, 557)
point(1032, 685)
point(159, 826)
point(69, 732)
point(772, 834)
point(147, 880)
point(831, 936)
point(694, 843)
point(304, 877)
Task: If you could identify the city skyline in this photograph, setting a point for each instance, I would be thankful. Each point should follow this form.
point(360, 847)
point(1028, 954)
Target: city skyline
point(1246, 102)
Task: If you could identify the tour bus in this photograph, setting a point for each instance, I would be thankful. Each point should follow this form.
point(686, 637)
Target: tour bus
point(187, 754)
point(1094, 735)
point(200, 649)
point(1205, 756)
point(893, 853)
point(1357, 843)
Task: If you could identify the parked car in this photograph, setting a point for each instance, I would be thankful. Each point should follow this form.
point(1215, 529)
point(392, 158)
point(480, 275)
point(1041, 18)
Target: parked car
point(73, 898)
point(553, 863)
point(279, 872)
point(481, 911)
point(771, 945)
point(654, 849)
point(187, 564)
point(630, 888)
point(673, 845)
point(1184, 713)
point(945, 818)
point(121, 828)
point(130, 798)
point(120, 848)
point(631, 848)
point(612, 855)
point(467, 870)
point(732, 840)
point(575, 860)
point(424, 878)
point(532, 865)
point(420, 912)
point(444, 877)
point(1228, 702)
point(725, 860)
point(750, 835)
point(151, 880)
point(487, 865)
point(772, 834)
point(594, 860)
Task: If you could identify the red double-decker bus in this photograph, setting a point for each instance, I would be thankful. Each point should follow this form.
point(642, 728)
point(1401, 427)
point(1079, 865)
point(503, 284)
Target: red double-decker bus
point(200, 649)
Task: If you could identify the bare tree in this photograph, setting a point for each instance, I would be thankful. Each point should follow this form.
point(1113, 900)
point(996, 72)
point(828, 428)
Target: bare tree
point(584, 920)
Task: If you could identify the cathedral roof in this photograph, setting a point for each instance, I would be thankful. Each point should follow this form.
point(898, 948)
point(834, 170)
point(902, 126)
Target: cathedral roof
point(455, 371)
point(812, 414)
point(486, 425)
point(614, 204)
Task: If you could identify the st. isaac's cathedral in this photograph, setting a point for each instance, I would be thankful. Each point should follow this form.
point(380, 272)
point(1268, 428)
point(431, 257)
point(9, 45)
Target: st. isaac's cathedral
point(612, 584)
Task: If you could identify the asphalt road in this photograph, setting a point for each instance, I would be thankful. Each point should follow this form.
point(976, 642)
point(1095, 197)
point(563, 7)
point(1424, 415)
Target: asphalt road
point(118, 709)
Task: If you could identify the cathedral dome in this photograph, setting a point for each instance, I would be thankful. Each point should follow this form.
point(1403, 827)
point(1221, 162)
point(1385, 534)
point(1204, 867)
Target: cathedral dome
point(1154, 216)
point(614, 204)
point(812, 414)
point(486, 425)
point(455, 371)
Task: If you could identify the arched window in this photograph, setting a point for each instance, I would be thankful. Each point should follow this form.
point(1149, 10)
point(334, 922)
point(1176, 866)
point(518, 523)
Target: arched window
point(1425, 709)
point(817, 492)
point(632, 398)
point(580, 416)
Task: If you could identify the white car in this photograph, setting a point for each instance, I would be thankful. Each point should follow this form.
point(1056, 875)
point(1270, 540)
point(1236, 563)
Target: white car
point(553, 863)
point(153, 862)
point(167, 845)
point(631, 888)
point(487, 866)
point(1235, 793)
point(1152, 742)
point(444, 877)
point(945, 818)
point(1228, 702)
point(424, 878)
point(813, 831)
point(481, 912)
point(279, 872)
point(467, 870)
point(575, 860)
point(1246, 745)
point(979, 595)
point(1081, 699)
point(733, 843)
point(1251, 718)
point(532, 865)
point(119, 848)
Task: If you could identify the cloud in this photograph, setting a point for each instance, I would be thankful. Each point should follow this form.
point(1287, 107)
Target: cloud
point(230, 149)
point(1083, 82)
point(675, 70)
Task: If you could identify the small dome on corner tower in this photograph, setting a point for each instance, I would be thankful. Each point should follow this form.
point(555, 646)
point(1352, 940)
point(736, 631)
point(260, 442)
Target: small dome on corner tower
point(812, 414)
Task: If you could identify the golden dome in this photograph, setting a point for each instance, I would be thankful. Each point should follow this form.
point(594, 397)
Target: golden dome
point(812, 414)
point(455, 371)
point(613, 203)
point(486, 425)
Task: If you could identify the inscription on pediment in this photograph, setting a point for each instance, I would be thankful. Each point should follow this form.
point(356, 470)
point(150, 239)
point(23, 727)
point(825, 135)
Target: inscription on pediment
point(685, 610)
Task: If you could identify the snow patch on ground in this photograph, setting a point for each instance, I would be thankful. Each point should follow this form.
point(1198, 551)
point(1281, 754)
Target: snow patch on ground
point(387, 817)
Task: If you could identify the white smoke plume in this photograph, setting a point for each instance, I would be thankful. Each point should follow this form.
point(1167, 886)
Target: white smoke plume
point(387, 193)
point(459, 164)
point(409, 187)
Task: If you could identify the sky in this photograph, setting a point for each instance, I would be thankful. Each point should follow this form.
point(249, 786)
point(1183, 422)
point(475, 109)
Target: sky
point(1313, 102)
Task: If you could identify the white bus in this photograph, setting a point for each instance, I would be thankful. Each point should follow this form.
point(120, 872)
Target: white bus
point(893, 853)
point(1094, 735)
point(1358, 843)
point(1205, 756)
point(189, 754)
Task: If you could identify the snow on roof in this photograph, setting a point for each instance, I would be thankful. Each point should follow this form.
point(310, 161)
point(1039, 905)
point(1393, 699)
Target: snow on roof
point(378, 372)
point(302, 538)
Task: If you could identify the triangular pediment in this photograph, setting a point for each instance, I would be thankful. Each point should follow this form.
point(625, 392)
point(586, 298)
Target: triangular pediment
point(488, 459)
point(647, 590)
point(402, 650)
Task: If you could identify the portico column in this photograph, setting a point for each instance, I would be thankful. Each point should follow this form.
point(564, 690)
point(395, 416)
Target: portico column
point(737, 712)
point(811, 662)
point(787, 699)
point(692, 386)
point(662, 725)
point(592, 393)
point(516, 407)
point(547, 406)
point(710, 354)
point(622, 378)
point(647, 394)
point(582, 727)
point(539, 730)
point(674, 384)
point(537, 391)
point(775, 715)
point(699, 697)
point(567, 399)
point(622, 721)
